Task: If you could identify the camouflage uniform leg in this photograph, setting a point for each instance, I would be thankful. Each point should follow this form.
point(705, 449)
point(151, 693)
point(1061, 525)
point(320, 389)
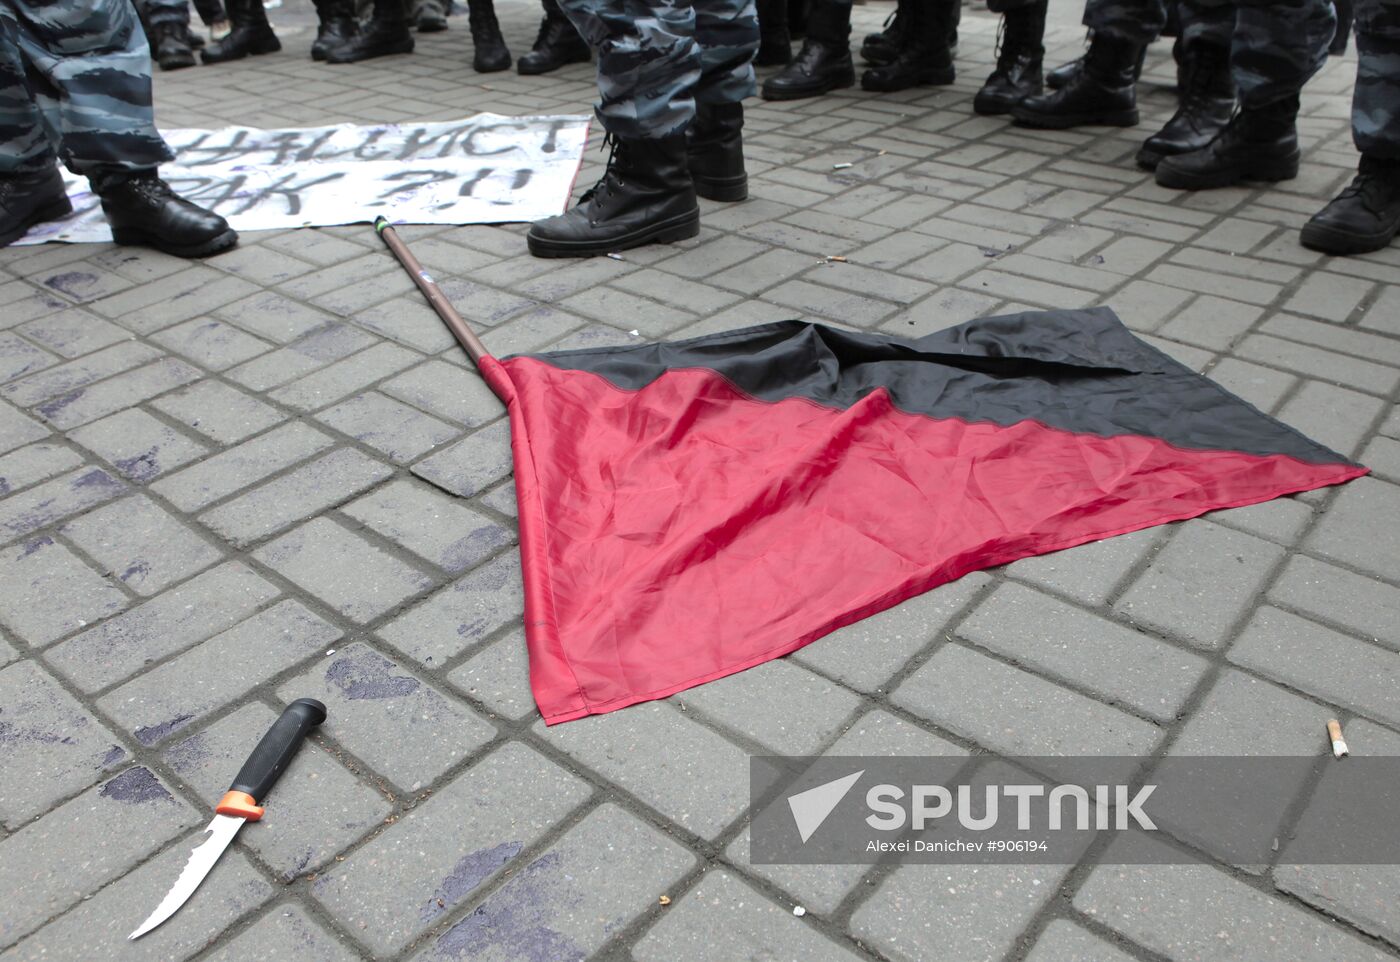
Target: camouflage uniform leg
point(648, 63)
point(1277, 46)
point(1132, 21)
point(90, 72)
point(1375, 106)
point(727, 32)
point(158, 13)
point(26, 144)
point(1001, 6)
point(1208, 23)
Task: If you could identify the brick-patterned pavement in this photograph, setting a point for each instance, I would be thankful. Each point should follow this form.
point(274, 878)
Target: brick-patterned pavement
point(224, 485)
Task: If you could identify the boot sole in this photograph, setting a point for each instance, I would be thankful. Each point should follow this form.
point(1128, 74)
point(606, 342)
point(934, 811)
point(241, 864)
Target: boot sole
point(54, 210)
point(1328, 240)
point(728, 189)
point(1120, 118)
point(845, 79)
point(135, 237)
point(939, 78)
point(405, 46)
point(256, 51)
point(1177, 179)
point(680, 227)
point(491, 67)
point(530, 71)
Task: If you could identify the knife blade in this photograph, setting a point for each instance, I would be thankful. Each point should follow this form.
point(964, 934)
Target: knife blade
point(240, 803)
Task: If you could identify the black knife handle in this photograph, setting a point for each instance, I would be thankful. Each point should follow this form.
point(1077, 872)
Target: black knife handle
point(272, 755)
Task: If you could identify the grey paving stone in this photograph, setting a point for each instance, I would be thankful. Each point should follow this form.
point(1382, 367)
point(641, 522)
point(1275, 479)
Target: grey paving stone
point(282, 502)
point(868, 653)
point(1200, 584)
point(142, 546)
point(106, 919)
point(33, 574)
point(430, 524)
point(443, 851)
point(409, 321)
point(321, 346)
point(690, 774)
point(17, 429)
point(966, 912)
point(472, 464)
point(74, 850)
point(782, 706)
point(1331, 415)
point(351, 575)
point(139, 446)
point(446, 391)
point(1197, 911)
point(210, 343)
point(499, 677)
point(345, 377)
point(1363, 605)
point(1282, 520)
point(283, 933)
point(1090, 572)
point(603, 874)
point(1111, 661)
point(18, 357)
point(169, 622)
point(272, 316)
point(460, 615)
point(32, 464)
point(73, 333)
point(379, 707)
point(316, 810)
point(1367, 896)
point(608, 304)
point(1261, 386)
point(723, 918)
point(1064, 941)
point(179, 693)
point(1321, 662)
point(50, 746)
point(396, 430)
point(1016, 713)
point(1361, 528)
point(87, 404)
point(75, 375)
point(239, 467)
point(84, 281)
point(1317, 363)
point(219, 412)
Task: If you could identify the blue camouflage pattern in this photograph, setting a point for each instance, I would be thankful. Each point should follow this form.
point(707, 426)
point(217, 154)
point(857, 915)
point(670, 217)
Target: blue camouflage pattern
point(75, 82)
point(1142, 21)
point(1375, 105)
point(1277, 45)
point(656, 58)
point(158, 13)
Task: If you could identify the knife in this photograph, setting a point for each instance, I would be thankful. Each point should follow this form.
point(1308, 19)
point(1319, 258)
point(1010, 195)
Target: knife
point(240, 804)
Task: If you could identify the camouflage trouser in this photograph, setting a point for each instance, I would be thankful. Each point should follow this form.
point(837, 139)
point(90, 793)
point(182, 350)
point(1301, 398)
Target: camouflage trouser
point(656, 58)
point(1275, 45)
point(159, 12)
point(1375, 106)
point(76, 74)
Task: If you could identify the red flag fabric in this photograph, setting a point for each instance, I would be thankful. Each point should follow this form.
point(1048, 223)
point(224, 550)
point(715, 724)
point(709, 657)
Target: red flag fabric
point(694, 508)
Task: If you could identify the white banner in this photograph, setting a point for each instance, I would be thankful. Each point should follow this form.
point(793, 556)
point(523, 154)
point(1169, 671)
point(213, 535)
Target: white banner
point(487, 169)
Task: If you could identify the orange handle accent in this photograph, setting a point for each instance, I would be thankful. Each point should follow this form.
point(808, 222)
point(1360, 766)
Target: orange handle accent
point(241, 805)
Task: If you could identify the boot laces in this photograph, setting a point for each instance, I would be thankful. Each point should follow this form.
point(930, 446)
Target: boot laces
point(605, 183)
point(1370, 186)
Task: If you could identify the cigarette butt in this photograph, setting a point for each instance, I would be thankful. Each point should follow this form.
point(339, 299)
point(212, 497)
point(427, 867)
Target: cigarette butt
point(839, 166)
point(1339, 745)
point(837, 258)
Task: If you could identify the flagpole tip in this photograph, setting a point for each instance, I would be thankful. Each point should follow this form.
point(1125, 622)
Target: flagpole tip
point(380, 223)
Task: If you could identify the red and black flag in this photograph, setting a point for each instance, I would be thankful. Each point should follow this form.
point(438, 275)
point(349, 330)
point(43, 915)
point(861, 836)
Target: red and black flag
point(691, 509)
point(694, 508)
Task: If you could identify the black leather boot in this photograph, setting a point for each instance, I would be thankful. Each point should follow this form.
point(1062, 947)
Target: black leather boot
point(715, 152)
point(880, 48)
point(337, 25)
point(1020, 61)
point(1363, 217)
point(1346, 16)
point(1259, 143)
point(172, 47)
point(557, 44)
point(646, 196)
point(29, 199)
point(924, 59)
point(386, 34)
point(143, 210)
point(774, 41)
point(489, 47)
point(1206, 91)
point(430, 16)
point(250, 34)
point(824, 62)
point(1063, 74)
point(1103, 93)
